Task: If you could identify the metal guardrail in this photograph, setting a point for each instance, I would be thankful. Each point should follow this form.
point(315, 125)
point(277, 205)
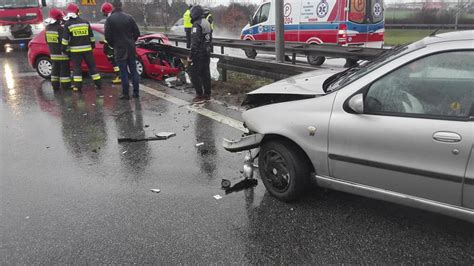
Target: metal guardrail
point(293, 48)
point(429, 26)
point(272, 70)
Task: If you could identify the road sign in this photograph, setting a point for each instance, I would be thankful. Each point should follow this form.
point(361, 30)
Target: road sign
point(88, 3)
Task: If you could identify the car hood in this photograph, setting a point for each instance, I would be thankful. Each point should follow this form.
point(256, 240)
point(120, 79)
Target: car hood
point(299, 87)
point(309, 83)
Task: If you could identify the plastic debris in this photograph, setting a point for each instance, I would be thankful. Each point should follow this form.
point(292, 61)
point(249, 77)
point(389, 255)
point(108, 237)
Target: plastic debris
point(199, 144)
point(155, 190)
point(120, 140)
point(218, 197)
point(27, 217)
point(84, 114)
point(244, 184)
point(147, 125)
point(165, 135)
point(94, 150)
point(225, 183)
point(124, 152)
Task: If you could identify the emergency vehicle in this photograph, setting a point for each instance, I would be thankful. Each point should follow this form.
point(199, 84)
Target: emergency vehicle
point(341, 22)
point(20, 20)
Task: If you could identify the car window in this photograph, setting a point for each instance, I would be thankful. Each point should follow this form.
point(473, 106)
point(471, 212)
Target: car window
point(98, 36)
point(262, 14)
point(440, 85)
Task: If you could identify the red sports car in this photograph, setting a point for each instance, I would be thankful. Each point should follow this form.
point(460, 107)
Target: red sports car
point(150, 63)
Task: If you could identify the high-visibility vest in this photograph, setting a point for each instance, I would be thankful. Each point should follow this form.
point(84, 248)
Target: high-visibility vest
point(187, 19)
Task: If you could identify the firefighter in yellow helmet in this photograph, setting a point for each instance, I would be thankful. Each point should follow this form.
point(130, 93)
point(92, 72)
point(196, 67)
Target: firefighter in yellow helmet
point(78, 40)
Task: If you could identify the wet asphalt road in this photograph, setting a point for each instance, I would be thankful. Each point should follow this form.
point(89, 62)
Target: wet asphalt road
point(70, 193)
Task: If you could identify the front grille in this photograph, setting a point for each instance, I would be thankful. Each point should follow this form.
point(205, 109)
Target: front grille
point(21, 18)
point(21, 31)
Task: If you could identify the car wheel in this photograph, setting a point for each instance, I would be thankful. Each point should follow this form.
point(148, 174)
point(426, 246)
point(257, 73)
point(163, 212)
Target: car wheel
point(250, 53)
point(284, 169)
point(140, 69)
point(316, 60)
point(44, 67)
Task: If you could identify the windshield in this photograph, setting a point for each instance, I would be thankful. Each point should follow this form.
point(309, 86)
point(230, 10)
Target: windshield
point(18, 3)
point(366, 11)
point(349, 75)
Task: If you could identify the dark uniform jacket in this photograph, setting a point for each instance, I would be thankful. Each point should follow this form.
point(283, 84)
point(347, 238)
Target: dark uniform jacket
point(78, 36)
point(53, 36)
point(121, 32)
point(201, 45)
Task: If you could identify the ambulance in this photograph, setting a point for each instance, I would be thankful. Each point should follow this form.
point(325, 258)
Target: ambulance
point(339, 22)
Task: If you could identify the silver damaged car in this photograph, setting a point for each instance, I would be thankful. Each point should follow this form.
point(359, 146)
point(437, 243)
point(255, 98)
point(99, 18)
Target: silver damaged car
point(399, 128)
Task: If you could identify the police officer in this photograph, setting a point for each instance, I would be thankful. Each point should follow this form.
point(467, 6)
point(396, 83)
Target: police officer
point(187, 25)
point(78, 40)
point(106, 9)
point(61, 74)
point(208, 16)
point(200, 55)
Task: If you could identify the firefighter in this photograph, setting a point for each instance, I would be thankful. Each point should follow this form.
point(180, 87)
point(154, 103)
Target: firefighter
point(188, 26)
point(60, 74)
point(78, 40)
point(108, 50)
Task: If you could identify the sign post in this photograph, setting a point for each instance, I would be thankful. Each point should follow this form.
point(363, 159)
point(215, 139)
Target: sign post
point(279, 32)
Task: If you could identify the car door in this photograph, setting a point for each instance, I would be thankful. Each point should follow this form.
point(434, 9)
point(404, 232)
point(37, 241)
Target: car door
point(415, 134)
point(260, 24)
point(101, 61)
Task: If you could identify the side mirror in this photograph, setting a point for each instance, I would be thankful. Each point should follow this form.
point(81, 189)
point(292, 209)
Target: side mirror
point(356, 103)
point(43, 2)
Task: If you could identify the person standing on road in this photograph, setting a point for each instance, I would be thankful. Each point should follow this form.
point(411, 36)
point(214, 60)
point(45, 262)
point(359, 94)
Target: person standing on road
point(106, 9)
point(121, 32)
point(208, 16)
point(78, 40)
point(187, 25)
point(200, 55)
point(61, 73)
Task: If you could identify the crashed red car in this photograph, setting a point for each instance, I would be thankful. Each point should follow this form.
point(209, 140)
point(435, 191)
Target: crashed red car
point(150, 63)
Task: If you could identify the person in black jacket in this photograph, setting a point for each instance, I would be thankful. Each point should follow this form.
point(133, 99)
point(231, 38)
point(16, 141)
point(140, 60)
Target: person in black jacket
point(200, 56)
point(60, 73)
point(121, 32)
point(78, 40)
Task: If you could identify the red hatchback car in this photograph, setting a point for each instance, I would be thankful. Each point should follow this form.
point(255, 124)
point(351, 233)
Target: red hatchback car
point(150, 63)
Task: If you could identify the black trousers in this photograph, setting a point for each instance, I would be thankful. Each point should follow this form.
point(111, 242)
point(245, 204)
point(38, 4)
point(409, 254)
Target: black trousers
point(61, 74)
point(77, 72)
point(188, 37)
point(201, 76)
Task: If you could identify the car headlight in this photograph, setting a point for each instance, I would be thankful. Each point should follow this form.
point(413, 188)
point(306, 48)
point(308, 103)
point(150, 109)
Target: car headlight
point(3, 28)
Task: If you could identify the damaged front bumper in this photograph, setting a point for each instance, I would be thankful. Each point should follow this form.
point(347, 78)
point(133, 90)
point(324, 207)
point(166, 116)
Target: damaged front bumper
point(244, 143)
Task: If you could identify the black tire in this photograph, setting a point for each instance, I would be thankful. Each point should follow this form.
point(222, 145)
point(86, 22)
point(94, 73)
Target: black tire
point(250, 53)
point(44, 67)
point(284, 169)
point(315, 60)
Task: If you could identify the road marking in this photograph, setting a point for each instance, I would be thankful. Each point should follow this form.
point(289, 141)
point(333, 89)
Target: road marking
point(202, 111)
point(26, 74)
